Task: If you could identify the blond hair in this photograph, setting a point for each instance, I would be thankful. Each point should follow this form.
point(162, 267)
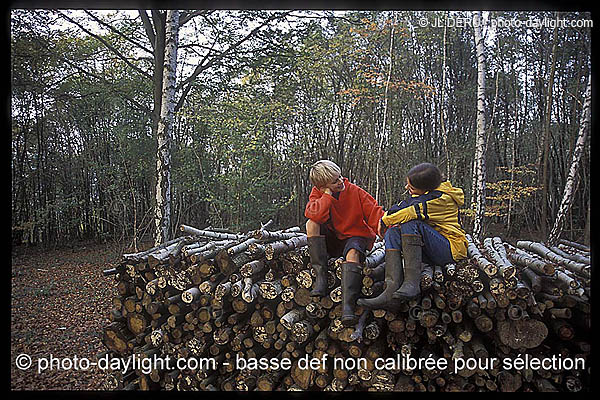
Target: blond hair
point(323, 172)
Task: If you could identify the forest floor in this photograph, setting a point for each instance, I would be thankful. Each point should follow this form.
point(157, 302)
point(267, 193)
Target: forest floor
point(60, 302)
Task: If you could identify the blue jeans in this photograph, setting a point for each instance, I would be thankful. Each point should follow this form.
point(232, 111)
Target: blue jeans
point(436, 248)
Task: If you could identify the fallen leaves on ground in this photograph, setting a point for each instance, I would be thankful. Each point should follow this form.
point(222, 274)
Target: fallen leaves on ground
point(60, 302)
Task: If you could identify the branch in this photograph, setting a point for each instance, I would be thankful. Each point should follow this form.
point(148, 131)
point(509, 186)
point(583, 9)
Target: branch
point(105, 43)
point(148, 27)
point(159, 22)
point(113, 29)
point(187, 84)
point(110, 85)
point(187, 16)
point(333, 16)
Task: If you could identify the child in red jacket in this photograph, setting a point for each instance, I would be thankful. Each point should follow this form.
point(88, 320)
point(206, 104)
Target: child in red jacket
point(342, 221)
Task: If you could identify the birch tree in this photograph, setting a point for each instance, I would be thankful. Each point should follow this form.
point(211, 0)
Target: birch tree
point(162, 216)
point(444, 105)
point(385, 111)
point(569, 190)
point(479, 163)
point(221, 47)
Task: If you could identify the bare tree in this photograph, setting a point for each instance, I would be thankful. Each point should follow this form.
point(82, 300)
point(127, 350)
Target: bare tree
point(546, 142)
point(162, 216)
point(444, 106)
point(155, 23)
point(479, 163)
point(569, 190)
point(385, 111)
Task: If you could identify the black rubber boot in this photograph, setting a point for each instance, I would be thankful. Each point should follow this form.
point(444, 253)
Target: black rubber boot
point(351, 284)
point(394, 276)
point(317, 250)
point(412, 252)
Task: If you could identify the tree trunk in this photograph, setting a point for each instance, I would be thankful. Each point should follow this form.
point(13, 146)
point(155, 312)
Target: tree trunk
point(567, 199)
point(513, 162)
point(444, 109)
point(385, 111)
point(479, 176)
point(546, 148)
point(586, 230)
point(162, 216)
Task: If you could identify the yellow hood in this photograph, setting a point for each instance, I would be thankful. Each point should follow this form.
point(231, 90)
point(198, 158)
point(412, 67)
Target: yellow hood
point(457, 194)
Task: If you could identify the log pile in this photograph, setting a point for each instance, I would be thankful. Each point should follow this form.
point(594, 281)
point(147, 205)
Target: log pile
point(240, 306)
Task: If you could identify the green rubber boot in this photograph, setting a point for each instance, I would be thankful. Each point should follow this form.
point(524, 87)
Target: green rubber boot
point(351, 284)
point(412, 252)
point(317, 251)
point(394, 276)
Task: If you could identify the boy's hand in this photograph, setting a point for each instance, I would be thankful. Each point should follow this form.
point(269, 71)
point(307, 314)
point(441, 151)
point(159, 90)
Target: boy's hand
point(326, 190)
point(380, 229)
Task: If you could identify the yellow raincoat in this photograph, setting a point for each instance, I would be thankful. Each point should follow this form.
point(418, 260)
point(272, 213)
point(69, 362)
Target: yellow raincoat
point(438, 208)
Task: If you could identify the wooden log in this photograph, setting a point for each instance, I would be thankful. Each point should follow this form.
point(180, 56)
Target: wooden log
point(290, 318)
point(426, 277)
point(231, 263)
point(428, 318)
point(543, 251)
point(475, 254)
point(250, 290)
point(270, 380)
point(574, 245)
point(191, 295)
point(277, 235)
point(375, 257)
point(484, 323)
point(162, 255)
point(206, 258)
point(522, 333)
point(116, 336)
point(270, 290)
point(209, 233)
point(573, 257)
point(137, 323)
point(142, 256)
point(473, 308)
point(276, 248)
point(200, 246)
point(252, 268)
point(507, 270)
point(562, 329)
point(302, 331)
point(522, 258)
point(303, 377)
point(438, 274)
point(450, 270)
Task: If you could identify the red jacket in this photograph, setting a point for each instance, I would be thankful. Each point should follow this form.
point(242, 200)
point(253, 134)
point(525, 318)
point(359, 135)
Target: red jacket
point(355, 213)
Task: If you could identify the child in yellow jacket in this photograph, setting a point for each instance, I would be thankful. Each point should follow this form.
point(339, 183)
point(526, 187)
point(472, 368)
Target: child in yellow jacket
point(422, 228)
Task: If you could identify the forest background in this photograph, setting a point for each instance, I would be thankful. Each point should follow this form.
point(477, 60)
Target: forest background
point(259, 95)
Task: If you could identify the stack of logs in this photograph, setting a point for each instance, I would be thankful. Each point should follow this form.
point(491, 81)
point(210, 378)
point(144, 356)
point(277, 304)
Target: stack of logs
point(222, 297)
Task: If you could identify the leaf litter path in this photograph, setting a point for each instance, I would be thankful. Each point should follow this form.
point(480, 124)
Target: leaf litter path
point(60, 302)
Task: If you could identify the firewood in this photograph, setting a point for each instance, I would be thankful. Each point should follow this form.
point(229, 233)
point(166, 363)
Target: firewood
point(500, 301)
point(571, 256)
point(276, 248)
point(485, 265)
point(540, 249)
